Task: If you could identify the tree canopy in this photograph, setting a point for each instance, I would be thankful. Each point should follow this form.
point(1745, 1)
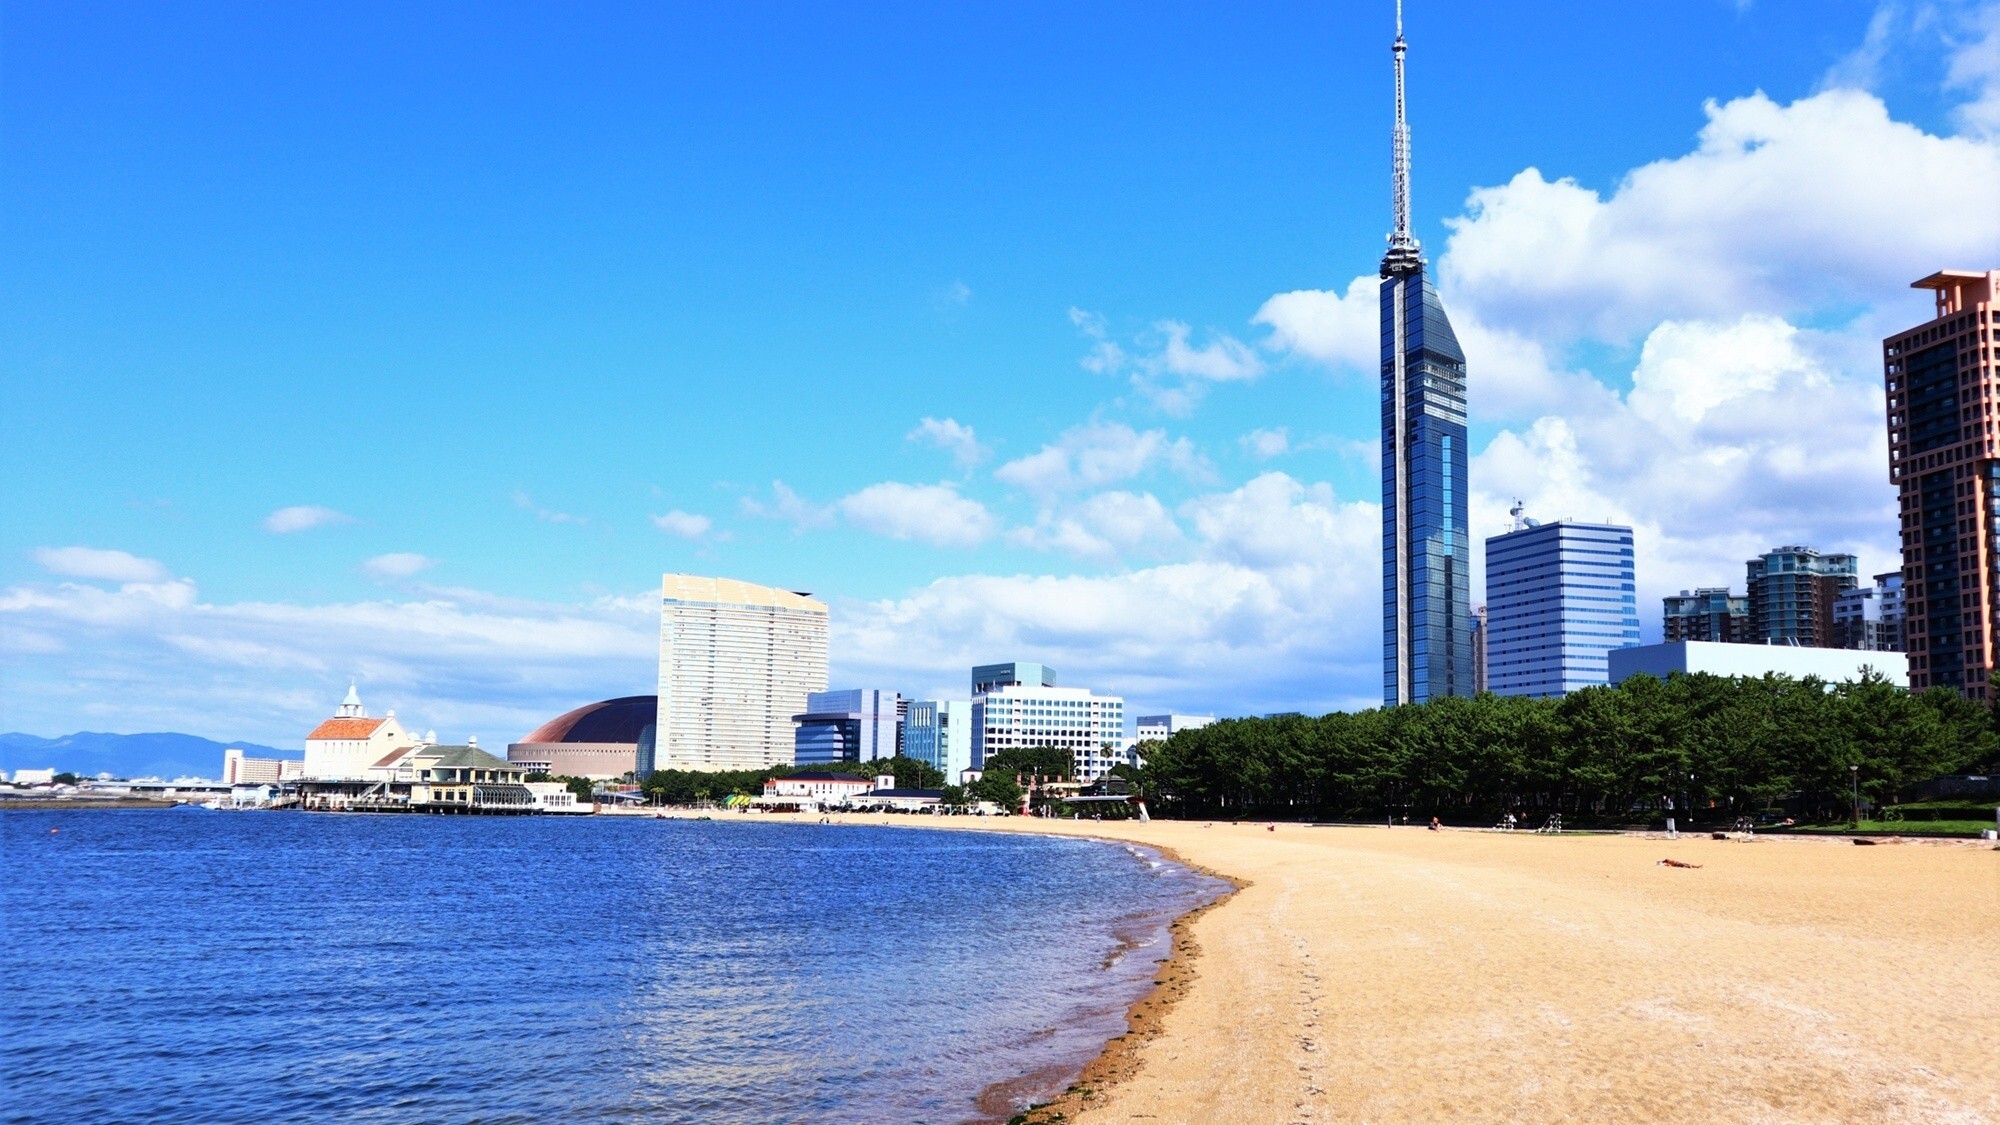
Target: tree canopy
point(1724, 747)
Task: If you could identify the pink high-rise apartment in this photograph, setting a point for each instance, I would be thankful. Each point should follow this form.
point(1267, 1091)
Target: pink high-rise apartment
point(1944, 456)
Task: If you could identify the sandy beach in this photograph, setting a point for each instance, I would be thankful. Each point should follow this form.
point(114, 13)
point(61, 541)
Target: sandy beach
point(1397, 975)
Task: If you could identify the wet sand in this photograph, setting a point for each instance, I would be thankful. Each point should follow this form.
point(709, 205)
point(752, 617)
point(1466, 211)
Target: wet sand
point(1399, 975)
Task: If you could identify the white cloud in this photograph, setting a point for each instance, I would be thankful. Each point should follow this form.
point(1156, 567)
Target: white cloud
point(1974, 67)
point(1224, 359)
point(1737, 436)
point(1266, 444)
point(1278, 611)
point(1104, 527)
point(100, 565)
point(925, 513)
point(303, 517)
point(1169, 369)
point(687, 525)
point(1105, 357)
point(952, 436)
point(1102, 453)
point(790, 507)
point(1335, 329)
point(1780, 209)
point(397, 564)
point(154, 656)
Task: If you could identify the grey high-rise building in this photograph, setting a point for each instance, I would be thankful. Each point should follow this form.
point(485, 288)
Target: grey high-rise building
point(1711, 613)
point(1871, 617)
point(1426, 555)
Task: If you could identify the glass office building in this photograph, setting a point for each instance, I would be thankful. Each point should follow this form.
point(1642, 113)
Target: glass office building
point(1426, 563)
point(857, 725)
point(939, 734)
point(1559, 598)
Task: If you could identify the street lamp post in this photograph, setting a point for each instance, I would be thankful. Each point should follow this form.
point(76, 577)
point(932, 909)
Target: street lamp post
point(1855, 773)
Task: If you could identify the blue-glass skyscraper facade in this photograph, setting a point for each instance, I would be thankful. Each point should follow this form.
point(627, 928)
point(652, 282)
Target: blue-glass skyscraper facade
point(1559, 597)
point(1426, 555)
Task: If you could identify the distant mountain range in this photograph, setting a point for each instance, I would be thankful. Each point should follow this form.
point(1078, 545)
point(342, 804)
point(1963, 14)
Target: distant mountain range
point(88, 753)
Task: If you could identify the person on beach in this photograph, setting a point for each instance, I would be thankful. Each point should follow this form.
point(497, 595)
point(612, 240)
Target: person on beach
point(1435, 825)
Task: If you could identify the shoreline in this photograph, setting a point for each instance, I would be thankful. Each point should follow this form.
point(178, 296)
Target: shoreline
point(1402, 974)
point(1118, 1060)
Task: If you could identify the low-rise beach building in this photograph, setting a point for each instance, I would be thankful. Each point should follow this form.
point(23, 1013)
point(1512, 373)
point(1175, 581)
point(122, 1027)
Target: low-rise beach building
point(554, 797)
point(816, 789)
point(467, 779)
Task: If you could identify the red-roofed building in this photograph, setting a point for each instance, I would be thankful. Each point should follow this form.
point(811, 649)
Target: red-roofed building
point(350, 745)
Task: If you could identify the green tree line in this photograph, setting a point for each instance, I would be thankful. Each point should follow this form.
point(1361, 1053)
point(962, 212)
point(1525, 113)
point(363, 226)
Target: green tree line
point(1725, 747)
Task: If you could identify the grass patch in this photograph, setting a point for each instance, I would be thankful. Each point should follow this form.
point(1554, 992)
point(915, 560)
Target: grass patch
point(1906, 827)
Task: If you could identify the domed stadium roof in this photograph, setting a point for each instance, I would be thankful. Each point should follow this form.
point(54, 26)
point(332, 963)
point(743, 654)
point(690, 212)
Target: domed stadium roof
point(614, 720)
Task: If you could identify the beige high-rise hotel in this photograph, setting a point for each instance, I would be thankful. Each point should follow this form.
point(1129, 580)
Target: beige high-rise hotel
point(736, 663)
point(1943, 398)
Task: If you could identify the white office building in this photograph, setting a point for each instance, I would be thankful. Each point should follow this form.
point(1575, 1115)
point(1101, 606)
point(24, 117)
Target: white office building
point(1831, 665)
point(1560, 597)
point(1018, 705)
point(939, 732)
point(737, 661)
point(1159, 728)
point(239, 768)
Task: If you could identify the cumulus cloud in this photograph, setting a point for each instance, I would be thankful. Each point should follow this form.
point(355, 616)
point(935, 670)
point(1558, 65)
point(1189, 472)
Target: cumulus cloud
point(1338, 329)
point(397, 565)
point(303, 517)
point(1105, 527)
point(1102, 453)
point(1736, 436)
point(100, 565)
point(952, 436)
point(790, 507)
point(1275, 610)
point(924, 513)
point(686, 525)
point(1780, 208)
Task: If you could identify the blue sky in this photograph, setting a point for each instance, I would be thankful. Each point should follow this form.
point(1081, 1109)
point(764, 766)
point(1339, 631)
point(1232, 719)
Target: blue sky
point(414, 346)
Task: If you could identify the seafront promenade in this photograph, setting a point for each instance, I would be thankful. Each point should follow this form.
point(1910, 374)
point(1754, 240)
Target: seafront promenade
point(1401, 974)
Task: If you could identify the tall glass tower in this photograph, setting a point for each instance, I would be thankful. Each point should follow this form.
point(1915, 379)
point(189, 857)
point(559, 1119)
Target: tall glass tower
point(1426, 556)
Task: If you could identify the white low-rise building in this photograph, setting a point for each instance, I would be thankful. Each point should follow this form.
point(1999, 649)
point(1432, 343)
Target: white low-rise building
point(555, 797)
point(817, 788)
point(1833, 665)
point(35, 777)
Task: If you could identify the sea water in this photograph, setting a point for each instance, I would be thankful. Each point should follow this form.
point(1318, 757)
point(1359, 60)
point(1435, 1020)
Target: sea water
point(201, 966)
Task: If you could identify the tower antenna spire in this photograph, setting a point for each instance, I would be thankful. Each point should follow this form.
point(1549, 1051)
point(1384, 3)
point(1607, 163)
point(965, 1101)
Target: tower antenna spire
point(1402, 244)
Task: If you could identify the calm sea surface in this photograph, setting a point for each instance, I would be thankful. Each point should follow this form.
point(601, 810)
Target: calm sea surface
point(209, 967)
